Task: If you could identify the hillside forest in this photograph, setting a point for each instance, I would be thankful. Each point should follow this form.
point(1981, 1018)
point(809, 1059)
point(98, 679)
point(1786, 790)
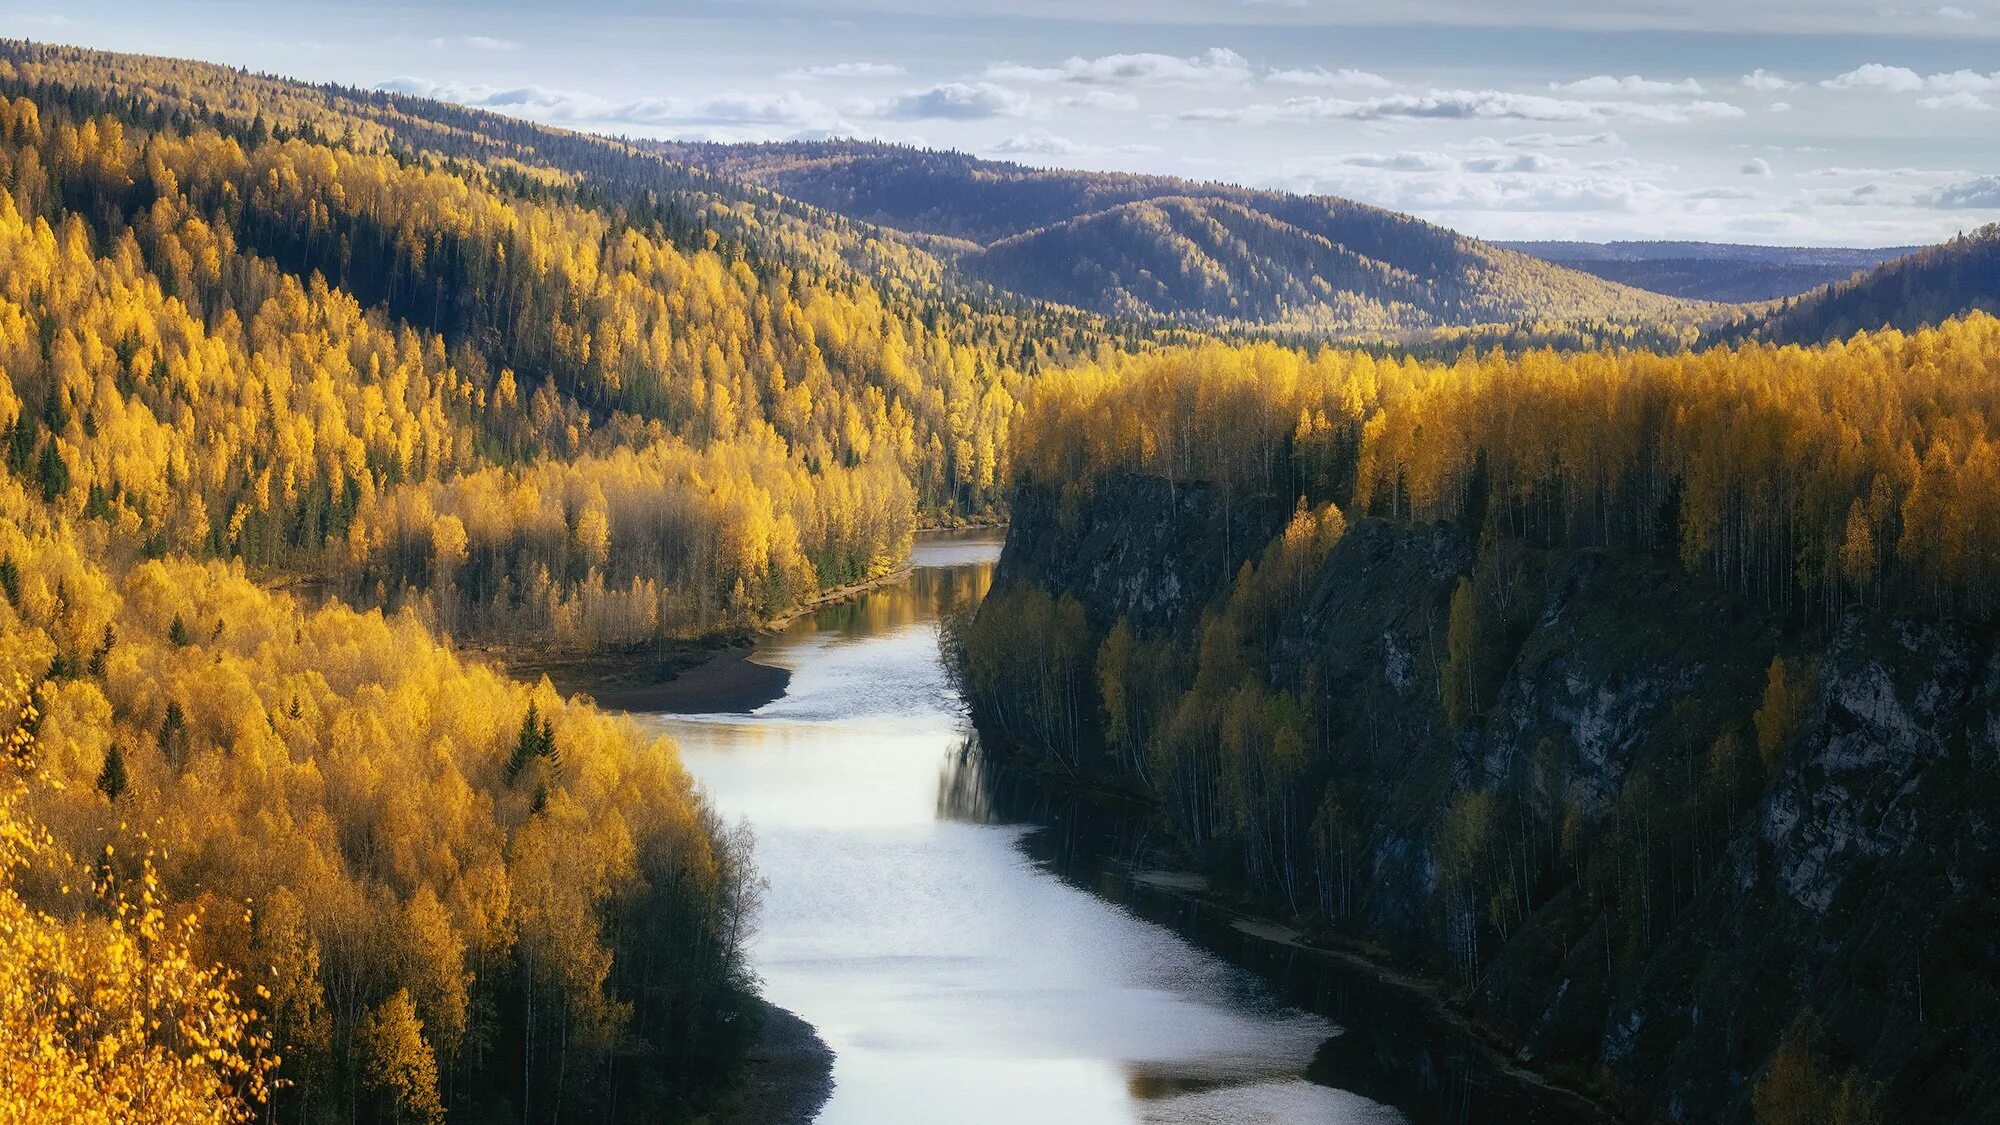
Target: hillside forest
point(311, 395)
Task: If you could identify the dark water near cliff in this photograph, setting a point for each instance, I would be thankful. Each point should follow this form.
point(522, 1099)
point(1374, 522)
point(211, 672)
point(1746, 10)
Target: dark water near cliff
point(967, 965)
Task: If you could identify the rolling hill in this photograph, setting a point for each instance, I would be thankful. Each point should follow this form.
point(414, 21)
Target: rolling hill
point(1924, 288)
point(1203, 253)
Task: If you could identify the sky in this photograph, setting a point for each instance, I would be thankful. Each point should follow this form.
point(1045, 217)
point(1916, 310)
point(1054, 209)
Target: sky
point(1807, 122)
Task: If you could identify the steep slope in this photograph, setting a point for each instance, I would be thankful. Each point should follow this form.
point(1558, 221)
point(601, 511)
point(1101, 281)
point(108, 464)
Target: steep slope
point(1927, 287)
point(1713, 271)
point(1208, 253)
point(1632, 696)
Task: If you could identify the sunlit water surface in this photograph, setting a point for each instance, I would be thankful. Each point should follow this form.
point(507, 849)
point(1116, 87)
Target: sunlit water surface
point(954, 978)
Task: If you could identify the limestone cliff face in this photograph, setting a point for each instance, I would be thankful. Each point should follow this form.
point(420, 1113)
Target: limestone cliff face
point(1854, 884)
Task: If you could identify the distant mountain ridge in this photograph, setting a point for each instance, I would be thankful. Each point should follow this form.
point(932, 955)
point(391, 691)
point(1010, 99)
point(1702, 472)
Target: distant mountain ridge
point(1930, 286)
point(1714, 271)
point(1156, 246)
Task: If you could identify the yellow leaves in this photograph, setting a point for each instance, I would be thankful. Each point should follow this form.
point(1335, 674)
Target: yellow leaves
point(113, 1019)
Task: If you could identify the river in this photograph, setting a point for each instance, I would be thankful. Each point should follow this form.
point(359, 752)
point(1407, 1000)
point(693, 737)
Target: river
point(967, 967)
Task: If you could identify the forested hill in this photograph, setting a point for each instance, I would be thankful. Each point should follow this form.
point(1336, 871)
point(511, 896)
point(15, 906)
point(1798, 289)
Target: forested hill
point(1714, 271)
point(1203, 252)
point(1927, 287)
point(349, 317)
point(471, 379)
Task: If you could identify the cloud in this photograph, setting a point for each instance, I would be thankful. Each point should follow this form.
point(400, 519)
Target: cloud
point(1557, 140)
point(1721, 193)
point(1217, 66)
point(1522, 162)
point(476, 43)
point(1099, 99)
point(1633, 165)
point(1969, 81)
point(1320, 76)
point(1875, 76)
point(1757, 166)
point(1980, 192)
point(1761, 79)
point(1958, 86)
point(1400, 161)
point(1779, 107)
point(1516, 193)
point(569, 107)
point(844, 70)
point(955, 101)
point(1468, 105)
point(1953, 13)
point(1039, 143)
point(1630, 84)
point(1961, 100)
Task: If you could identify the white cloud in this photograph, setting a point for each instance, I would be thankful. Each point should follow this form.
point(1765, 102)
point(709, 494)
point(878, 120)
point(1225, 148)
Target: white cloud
point(1980, 192)
point(954, 101)
point(1630, 84)
point(1320, 76)
point(1468, 105)
point(1961, 100)
point(1634, 166)
point(844, 70)
point(1557, 140)
point(569, 107)
point(1529, 193)
point(1039, 142)
point(1722, 193)
point(1099, 99)
point(1779, 107)
point(1875, 76)
point(476, 43)
point(1217, 66)
point(1761, 79)
point(1521, 162)
point(1950, 12)
point(1757, 166)
point(1400, 161)
point(1964, 80)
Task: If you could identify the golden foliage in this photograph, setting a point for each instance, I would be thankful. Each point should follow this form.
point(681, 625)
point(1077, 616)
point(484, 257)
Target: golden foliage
point(108, 1011)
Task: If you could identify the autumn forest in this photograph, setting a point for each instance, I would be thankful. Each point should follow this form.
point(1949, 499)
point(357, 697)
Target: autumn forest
point(320, 406)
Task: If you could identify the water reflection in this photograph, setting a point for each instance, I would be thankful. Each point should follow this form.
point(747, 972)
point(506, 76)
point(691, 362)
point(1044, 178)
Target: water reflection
point(1393, 1048)
point(955, 975)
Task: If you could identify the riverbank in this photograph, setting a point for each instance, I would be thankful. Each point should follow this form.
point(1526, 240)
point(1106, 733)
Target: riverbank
point(1092, 833)
point(787, 1076)
point(712, 674)
point(1427, 994)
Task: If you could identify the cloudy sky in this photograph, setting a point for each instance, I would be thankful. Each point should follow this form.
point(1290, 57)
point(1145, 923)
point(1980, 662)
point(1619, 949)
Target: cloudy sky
point(1834, 122)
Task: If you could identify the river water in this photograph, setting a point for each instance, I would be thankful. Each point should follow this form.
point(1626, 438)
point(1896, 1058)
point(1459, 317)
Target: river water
point(967, 969)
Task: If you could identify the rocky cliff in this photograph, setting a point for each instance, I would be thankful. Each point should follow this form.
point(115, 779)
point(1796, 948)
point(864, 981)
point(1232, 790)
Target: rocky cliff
point(1672, 833)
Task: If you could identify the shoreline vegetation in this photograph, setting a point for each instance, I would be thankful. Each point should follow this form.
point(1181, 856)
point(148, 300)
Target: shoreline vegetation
point(712, 673)
point(709, 674)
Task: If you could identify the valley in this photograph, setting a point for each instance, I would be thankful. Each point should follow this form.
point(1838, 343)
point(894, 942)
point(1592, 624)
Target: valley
point(503, 621)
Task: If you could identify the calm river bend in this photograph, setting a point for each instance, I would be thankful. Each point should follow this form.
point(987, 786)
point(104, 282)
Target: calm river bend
point(968, 969)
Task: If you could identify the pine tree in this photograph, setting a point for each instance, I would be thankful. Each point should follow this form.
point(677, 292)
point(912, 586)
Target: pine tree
point(111, 779)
